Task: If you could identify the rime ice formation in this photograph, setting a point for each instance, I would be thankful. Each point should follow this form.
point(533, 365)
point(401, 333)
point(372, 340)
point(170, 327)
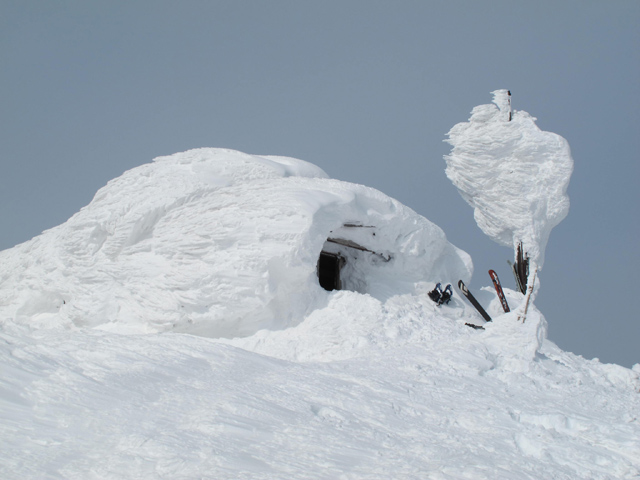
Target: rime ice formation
point(175, 328)
point(514, 175)
point(218, 243)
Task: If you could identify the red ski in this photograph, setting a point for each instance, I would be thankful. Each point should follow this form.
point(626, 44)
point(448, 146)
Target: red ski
point(496, 283)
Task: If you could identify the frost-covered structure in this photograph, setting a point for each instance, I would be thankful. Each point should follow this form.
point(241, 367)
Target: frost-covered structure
point(514, 175)
point(219, 243)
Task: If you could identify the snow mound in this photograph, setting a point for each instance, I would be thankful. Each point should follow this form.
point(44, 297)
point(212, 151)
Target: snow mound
point(220, 243)
point(371, 381)
point(514, 175)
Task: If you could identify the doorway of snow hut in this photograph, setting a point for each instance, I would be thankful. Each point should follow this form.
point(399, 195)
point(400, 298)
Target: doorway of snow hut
point(329, 266)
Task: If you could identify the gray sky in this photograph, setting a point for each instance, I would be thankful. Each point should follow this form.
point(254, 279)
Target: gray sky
point(365, 89)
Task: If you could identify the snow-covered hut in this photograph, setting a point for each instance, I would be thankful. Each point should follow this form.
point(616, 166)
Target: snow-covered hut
point(221, 243)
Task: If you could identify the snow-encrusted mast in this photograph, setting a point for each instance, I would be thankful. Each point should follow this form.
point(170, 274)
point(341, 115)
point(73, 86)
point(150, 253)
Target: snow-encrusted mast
point(514, 175)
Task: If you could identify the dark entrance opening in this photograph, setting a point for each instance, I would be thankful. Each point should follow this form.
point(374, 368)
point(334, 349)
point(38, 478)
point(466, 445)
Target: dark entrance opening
point(329, 266)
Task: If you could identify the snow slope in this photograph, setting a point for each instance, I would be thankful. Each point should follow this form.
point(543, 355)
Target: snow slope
point(175, 328)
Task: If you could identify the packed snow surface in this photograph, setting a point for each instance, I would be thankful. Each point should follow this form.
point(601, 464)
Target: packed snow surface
point(514, 175)
point(175, 328)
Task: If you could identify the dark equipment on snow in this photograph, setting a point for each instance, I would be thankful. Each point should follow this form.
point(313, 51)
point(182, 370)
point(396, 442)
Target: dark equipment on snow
point(515, 275)
point(498, 287)
point(521, 269)
point(446, 295)
point(439, 296)
point(475, 327)
point(465, 291)
point(436, 293)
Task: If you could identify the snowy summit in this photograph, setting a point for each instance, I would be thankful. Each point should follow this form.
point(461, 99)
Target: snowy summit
point(220, 315)
point(221, 244)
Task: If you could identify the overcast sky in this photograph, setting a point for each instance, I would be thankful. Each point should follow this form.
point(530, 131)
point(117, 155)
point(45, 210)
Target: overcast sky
point(365, 89)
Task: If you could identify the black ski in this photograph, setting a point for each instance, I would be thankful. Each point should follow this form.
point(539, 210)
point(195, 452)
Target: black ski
point(520, 268)
point(515, 275)
point(496, 284)
point(465, 291)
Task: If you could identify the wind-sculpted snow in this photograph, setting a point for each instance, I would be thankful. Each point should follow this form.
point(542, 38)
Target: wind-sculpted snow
point(216, 243)
point(514, 175)
point(249, 369)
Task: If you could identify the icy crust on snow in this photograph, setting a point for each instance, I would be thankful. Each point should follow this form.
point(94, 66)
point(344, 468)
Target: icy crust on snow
point(222, 244)
point(514, 175)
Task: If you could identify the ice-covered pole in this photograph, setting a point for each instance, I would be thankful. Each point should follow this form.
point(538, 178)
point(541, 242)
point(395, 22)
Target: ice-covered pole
point(502, 99)
point(514, 175)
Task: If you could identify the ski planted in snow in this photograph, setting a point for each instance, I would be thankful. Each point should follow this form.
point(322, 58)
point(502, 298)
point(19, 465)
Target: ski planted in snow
point(496, 284)
point(520, 269)
point(465, 291)
point(515, 275)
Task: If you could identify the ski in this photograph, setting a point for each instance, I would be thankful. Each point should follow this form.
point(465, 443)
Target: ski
point(498, 287)
point(465, 291)
point(522, 267)
point(515, 275)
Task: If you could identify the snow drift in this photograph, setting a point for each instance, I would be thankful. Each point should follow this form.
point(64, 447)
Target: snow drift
point(219, 243)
